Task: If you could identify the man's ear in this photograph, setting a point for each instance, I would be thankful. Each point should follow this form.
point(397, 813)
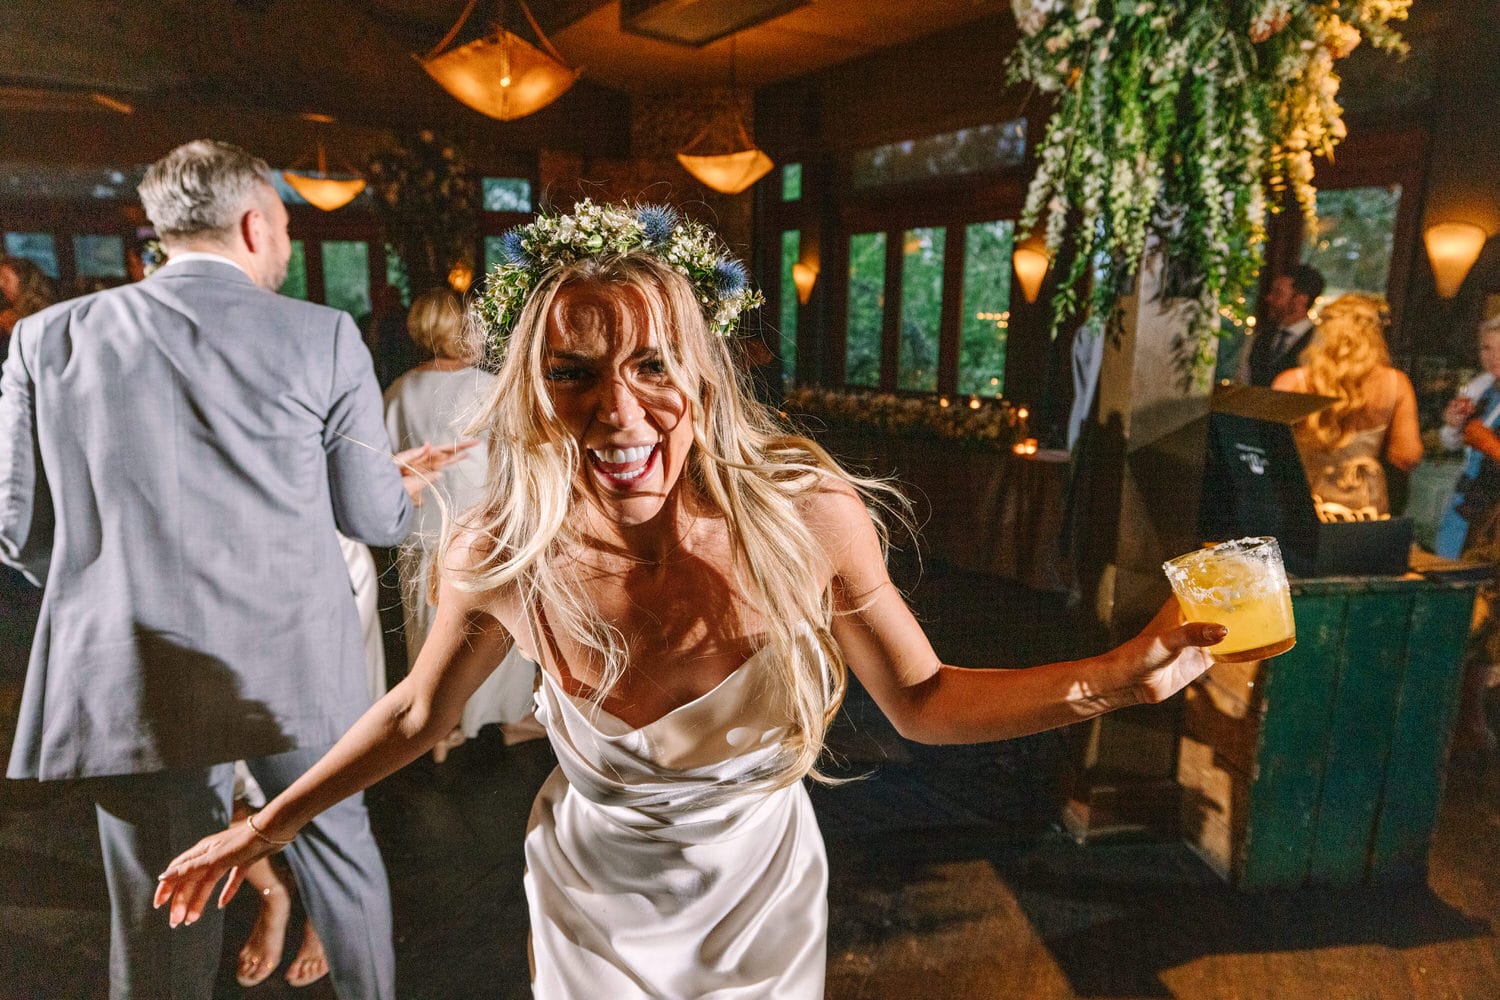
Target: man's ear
point(252, 229)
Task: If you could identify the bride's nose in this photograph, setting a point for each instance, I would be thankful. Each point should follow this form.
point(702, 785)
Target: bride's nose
point(618, 405)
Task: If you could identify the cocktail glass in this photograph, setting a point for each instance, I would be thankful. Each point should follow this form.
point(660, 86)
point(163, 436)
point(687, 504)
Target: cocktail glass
point(1242, 586)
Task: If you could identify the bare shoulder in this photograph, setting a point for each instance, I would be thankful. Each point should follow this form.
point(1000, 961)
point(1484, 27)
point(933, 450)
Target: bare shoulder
point(831, 505)
point(470, 556)
point(836, 515)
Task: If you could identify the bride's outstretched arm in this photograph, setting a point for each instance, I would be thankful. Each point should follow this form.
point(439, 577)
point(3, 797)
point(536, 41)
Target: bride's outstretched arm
point(931, 702)
point(466, 643)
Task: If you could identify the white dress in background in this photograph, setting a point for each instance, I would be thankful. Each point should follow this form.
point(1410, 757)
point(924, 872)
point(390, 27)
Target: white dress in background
point(658, 863)
point(428, 406)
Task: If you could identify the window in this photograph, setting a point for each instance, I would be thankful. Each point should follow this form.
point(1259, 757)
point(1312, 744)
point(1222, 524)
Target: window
point(791, 251)
point(791, 182)
point(506, 194)
point(395, 275)
point(295, 284)
point(866, 308)
point(32, 182)
point(346, 276)
point(986, 309)
point(99, 256)
point(921, 308)
point(1351, 243)
point(35, 247)
point(967, 151)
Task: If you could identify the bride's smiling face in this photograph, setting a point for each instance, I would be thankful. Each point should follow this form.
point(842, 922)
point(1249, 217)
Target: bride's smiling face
point(608, 383)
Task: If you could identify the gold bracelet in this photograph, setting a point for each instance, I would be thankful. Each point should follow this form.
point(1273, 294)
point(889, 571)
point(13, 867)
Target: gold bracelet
point(250, 822)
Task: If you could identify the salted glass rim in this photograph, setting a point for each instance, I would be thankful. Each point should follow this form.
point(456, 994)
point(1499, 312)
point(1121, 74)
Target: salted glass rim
point(1234, 546)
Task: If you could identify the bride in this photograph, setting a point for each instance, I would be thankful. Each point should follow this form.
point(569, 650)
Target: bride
point(694, 581)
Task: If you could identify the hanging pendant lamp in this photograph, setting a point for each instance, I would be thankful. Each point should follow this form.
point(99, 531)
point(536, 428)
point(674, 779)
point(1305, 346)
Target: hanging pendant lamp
point(501, 75)
point(723, 156)
point(320, 190)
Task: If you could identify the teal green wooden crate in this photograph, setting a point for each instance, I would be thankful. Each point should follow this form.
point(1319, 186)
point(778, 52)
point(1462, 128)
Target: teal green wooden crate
point(1354, 724)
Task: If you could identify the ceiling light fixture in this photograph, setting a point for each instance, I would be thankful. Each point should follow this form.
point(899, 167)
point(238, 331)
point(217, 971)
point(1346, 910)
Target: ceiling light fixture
point(501, 75)
point(321, 190)
point(723, 156)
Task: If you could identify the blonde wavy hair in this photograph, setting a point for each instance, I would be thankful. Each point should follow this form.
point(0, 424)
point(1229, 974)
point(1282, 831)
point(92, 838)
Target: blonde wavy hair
point(745, 465)
point(1348, 346)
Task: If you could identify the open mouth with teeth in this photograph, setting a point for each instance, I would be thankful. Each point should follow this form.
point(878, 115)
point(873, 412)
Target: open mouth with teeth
point(620, 467)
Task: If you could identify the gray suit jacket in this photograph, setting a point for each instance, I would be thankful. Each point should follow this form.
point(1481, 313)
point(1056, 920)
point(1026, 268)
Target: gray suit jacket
point(174, 457)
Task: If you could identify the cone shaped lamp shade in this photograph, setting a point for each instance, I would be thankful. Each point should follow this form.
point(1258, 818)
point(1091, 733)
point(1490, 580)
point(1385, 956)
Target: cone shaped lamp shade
point(327, 193)
point(501, 75)
point(1452, 247)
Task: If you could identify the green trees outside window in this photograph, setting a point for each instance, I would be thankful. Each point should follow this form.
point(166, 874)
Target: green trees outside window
point(1352, 241)
point(921, 308)
point(986, 307)
point(866, 309)
point(295, 285)
point(346, 275)
point(791, 250)
point(99, 256)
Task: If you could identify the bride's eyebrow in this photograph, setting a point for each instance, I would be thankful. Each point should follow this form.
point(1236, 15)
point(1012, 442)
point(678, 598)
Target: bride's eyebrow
point(578, 359)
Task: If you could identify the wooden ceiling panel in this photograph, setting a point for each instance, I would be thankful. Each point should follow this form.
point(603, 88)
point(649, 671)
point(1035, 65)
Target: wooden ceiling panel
point(809, 38)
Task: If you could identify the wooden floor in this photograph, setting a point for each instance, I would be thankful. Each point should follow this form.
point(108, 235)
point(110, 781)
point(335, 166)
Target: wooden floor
point(949, 879)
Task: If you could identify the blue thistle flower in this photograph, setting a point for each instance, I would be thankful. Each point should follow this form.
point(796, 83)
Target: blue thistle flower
point(515, 253)
point(729, 277)
point(657, 223)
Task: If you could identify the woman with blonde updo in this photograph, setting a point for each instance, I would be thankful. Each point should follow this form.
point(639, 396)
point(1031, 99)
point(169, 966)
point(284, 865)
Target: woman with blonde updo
point(431, 403)
point(1374, 417)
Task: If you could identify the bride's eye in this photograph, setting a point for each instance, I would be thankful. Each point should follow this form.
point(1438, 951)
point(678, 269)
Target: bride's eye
point(564, 373)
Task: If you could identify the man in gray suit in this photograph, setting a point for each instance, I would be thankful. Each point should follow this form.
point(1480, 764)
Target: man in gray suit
point(174, 458)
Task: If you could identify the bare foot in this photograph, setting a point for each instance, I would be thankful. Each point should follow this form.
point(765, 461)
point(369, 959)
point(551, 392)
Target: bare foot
point(311, 964)
point(262, 951)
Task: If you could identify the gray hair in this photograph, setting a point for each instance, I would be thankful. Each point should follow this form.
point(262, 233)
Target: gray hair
point(200, 188)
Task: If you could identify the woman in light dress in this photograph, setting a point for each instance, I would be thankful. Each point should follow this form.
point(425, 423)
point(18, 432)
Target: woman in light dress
point(431, 403)
point(695, 581)
point(1374, 415)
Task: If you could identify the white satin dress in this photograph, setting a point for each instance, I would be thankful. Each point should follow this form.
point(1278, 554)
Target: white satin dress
point(658, 863)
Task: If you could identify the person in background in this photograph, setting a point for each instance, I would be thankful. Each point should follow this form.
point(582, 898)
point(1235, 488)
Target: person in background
point(1374, 418)
point(26, 289)
point(386, 336)
point(1470, 529)
point(1285, 326)
point(433, 402)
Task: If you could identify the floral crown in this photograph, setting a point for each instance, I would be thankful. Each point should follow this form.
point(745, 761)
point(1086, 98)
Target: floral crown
point(532, 251)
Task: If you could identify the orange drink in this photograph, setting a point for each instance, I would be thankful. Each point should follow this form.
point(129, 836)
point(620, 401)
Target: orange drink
point(1242, 586)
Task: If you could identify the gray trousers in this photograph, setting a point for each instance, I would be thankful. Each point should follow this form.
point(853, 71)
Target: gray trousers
point(145, 820)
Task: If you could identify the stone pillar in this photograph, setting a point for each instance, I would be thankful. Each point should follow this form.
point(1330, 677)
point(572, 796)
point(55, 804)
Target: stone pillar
point(1137, 472)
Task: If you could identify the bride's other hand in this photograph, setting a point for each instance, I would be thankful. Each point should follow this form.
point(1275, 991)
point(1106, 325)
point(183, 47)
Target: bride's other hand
point(1168, 654)
point(192, 875)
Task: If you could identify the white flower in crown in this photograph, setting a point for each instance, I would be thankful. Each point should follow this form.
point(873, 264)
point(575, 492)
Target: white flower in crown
point(532, 251)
